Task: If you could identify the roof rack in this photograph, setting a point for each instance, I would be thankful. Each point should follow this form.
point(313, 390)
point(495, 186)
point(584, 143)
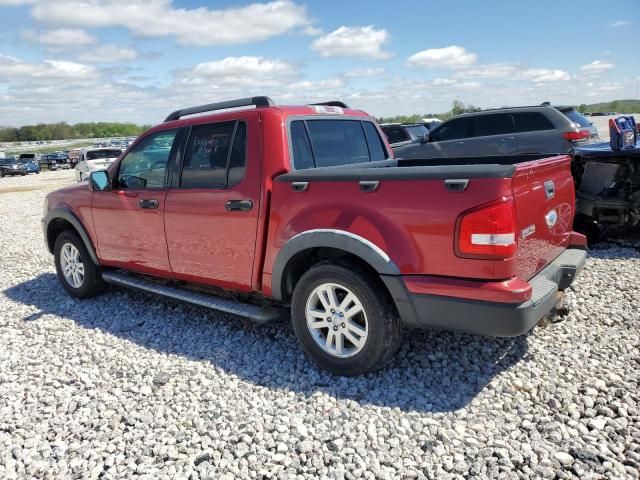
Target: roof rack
point(333, 103)
point(210, 107)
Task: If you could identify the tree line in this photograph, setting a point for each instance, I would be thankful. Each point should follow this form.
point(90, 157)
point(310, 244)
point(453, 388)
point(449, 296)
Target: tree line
point(64, 131)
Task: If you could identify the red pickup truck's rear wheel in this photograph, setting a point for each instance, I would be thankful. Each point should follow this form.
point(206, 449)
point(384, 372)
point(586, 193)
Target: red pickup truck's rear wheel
point(344, 319)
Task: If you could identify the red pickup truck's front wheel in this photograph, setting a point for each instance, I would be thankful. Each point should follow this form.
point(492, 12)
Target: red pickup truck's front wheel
point(344, 319)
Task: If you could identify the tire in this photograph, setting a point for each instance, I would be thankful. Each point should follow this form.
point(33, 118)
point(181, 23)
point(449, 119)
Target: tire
point(91, 283)
point(23, 174)
point(378, 318)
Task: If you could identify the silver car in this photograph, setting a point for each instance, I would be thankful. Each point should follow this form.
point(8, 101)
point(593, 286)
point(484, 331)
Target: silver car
point(506, 131)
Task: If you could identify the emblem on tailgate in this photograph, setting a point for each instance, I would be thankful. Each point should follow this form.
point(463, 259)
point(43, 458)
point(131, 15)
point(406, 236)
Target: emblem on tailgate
point(551, 218)
point(528, 231)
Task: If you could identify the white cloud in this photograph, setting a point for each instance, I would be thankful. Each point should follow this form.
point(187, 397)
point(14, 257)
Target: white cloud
point(596, 67)
point(233, 73)
point(60, 38)
point(490, 71)
point(619, 23)
point(353, 42)
point(159, 18)
point(13, 68)
point(544, 75)
point(331, 83)
point(108, 54)
point(447, 57)
point(365, 72)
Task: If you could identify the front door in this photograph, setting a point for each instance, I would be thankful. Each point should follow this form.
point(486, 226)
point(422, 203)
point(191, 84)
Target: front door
point(129, 218)
point(211, 212)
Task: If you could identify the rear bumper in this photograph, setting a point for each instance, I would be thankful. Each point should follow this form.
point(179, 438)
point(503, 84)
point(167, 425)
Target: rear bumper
point(489, 318)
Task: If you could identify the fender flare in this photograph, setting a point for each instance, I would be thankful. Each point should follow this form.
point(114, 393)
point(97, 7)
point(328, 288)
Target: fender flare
point(66, 214)
point(331, 238)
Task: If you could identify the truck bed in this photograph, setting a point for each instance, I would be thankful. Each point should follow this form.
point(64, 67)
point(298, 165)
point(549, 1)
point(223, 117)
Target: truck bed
point(413, 211)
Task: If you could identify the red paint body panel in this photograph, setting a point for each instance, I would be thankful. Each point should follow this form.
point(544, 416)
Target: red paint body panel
point(413, 221)
point(514, 290)
point(130, 237)
point(532, 205)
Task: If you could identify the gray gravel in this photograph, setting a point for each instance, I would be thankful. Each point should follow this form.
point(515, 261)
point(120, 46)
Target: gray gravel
point(127, 385)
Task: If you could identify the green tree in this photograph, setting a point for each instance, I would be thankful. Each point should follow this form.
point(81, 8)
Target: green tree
point(457, 107)
point(582, 108)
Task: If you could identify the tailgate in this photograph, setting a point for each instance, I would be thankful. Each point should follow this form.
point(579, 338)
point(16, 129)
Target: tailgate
point(545, 203)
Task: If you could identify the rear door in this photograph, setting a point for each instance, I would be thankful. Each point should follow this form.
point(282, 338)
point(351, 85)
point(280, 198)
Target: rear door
point(493, 134)
point(535, 133)
point(211, 212)
point(544, 196)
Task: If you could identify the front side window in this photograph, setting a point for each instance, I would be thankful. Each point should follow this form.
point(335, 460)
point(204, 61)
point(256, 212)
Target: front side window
point(453, 130)
point(145, 166)
point(330, 143)
point(215, 155)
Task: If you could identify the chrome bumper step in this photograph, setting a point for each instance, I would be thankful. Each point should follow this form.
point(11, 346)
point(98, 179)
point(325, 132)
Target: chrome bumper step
point(255, 313)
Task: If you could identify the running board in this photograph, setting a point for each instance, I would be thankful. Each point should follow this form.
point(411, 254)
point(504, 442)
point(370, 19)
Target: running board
point(255, 313)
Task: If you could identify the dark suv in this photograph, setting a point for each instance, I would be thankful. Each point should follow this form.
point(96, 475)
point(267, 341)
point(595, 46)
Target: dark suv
point(506, 131)
point(402, 133)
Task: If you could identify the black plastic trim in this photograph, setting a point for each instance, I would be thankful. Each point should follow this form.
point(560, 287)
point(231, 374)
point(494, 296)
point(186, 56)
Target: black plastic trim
point(260, 101)
point(386, 172)
point(480, 317)
point(329, 238)
point(67, 215)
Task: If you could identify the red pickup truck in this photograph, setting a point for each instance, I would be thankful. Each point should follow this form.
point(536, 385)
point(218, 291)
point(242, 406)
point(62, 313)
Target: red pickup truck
point(248, 210)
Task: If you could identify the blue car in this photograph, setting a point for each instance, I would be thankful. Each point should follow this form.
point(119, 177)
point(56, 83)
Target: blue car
point(29, 162)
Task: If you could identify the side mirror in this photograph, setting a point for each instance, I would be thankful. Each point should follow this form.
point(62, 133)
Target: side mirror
point(99, 181)
point(425, 138)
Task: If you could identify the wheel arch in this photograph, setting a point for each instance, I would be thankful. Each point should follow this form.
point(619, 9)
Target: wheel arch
point(61, 219)
point(308, 248)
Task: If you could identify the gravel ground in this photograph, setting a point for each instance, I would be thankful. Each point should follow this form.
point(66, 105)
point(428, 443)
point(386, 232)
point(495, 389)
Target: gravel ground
point(127, 385)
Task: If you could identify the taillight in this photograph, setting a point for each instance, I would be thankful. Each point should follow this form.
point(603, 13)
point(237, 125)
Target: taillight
point(578, 136)
point(488, 232)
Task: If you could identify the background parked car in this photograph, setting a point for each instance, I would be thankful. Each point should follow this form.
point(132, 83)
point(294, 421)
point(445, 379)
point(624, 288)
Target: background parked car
point(402, 133)
point(431, 122)
point(11, 166)
point(507, 131)
point(30, 163)
point(95, 159)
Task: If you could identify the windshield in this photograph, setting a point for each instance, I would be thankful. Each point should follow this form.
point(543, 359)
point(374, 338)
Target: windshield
point(417, 131)
point(577, 117)
point(7, 161)
point(97, 154)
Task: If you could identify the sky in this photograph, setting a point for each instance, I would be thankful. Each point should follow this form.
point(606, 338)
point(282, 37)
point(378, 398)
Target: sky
point(138, 60)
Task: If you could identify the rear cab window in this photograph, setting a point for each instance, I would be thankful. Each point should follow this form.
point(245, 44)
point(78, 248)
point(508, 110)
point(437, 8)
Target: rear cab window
point(332, 142)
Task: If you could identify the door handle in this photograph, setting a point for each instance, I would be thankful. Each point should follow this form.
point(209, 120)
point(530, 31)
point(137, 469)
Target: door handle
point(238, 205)
point(369, 186)
point(151, 204)
point(299, 186)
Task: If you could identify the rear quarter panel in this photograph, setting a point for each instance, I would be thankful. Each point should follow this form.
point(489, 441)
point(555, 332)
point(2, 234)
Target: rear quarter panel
point(413, 221)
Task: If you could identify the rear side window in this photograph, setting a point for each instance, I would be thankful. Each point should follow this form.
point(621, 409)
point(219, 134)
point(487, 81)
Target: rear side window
point(531, 122)
point(330, 143)
point(496, 124)
point(377, 150)
point(577, 117)
point(214, 156)
point(453, 129)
